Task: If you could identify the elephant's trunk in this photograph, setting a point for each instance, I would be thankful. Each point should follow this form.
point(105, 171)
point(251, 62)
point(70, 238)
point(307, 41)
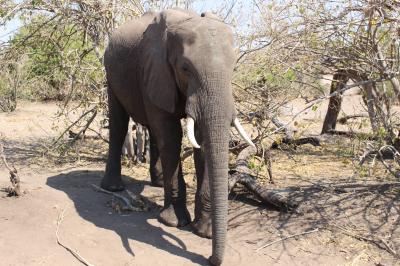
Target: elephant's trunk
point(216, 116)
point(216, 155)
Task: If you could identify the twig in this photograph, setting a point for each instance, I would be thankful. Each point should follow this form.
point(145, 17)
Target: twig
point(128, 205)
point(74, 253)
point(289, 131)
point(138, 200)
point(344, 119)
point(3, 157)
point(285, 238)
point(83, 130)
point(73, 124)
point(377, 242)
point(186, 153)
point(368, 153)
point(15, 189)
point(11, 12)
point(296, 142)
point(347, 187)
point(132, 195)
point(388, 167)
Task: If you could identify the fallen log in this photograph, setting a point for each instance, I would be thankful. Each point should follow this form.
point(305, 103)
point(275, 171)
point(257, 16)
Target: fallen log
point(289, 138)
point(284, 198)
point(343, 120)
point(351, 134)
point(370, 154)
point(276, 197)
point(242, 175)
point(347, 187)
point(296, 142)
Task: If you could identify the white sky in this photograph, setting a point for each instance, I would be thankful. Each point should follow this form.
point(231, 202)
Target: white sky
point(7, 31)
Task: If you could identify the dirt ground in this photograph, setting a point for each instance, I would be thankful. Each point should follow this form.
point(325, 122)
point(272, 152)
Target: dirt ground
point(348, 228)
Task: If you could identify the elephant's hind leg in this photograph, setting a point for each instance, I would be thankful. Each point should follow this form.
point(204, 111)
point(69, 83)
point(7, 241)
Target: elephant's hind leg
point(118, 127)
point(156, 174)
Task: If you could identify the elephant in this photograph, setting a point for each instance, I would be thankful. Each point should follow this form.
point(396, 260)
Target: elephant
point(161, 68)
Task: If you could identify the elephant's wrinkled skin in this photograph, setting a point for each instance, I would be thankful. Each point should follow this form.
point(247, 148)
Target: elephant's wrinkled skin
point(163, 67)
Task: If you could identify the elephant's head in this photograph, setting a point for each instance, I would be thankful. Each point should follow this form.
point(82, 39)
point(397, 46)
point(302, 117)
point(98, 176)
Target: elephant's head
point(190, 58)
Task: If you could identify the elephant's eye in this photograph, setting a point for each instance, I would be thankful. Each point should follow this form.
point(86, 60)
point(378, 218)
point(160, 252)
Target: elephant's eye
point(185, 68)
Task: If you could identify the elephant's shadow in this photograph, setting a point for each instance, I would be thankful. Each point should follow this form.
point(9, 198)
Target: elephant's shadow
point(91, 206)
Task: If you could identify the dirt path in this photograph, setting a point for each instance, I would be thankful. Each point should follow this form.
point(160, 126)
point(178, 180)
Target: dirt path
point(105, 237)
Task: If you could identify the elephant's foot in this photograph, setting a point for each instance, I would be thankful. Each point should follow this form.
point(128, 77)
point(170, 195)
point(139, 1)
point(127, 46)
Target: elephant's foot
point(156, 177)
point(157, 182)
point(214, 261)
point(112, 183)
point(203, 227)
point(174, 215)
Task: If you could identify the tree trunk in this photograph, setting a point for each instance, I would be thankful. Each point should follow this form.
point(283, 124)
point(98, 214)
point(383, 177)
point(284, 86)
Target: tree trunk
point(396, 87)
point(339, 81)
point(369, 91)
point(394, 81)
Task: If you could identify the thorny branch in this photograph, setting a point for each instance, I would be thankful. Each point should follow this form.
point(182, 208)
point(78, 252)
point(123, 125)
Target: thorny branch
point(287, 237)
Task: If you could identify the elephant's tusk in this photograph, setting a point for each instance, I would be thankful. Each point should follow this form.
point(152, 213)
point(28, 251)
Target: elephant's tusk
point(243, 133)
point(190, 132)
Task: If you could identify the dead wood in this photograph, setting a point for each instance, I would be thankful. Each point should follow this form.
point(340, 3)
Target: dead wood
point(296, 142)
point(70, 250)
point(289, 138)
point(242, 175)
point(351, 134)
point(15, 188)
point(344, 119)
point(73, 135)
point(267, 160)
point(287, 237)
point(78, 135)
point(281, 197)
point(347, 187)
point(127, 203)
point(375, 240)
point(386, 152)
point(275, 197)
point(186, 153)
point(287, 129)
point(396, 156)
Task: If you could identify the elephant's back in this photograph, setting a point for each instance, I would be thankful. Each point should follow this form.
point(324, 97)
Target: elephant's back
point(122, 60)
point(128, 35)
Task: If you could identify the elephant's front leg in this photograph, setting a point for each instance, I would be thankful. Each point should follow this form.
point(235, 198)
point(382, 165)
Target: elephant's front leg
point(169, 137)
point(118, 127)
point(202, 220)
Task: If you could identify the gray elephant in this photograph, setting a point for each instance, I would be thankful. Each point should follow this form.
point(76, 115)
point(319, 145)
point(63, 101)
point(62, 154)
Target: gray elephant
point(161, 68)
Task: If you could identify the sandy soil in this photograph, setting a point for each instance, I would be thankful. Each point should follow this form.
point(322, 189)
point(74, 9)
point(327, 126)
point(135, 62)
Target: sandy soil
point(103, 236)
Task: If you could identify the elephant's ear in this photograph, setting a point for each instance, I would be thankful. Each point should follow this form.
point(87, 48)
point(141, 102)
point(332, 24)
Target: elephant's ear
point(159, 81)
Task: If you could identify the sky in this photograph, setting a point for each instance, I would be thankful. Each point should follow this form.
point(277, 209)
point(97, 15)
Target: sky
point(11, 27)
point(7, 31)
